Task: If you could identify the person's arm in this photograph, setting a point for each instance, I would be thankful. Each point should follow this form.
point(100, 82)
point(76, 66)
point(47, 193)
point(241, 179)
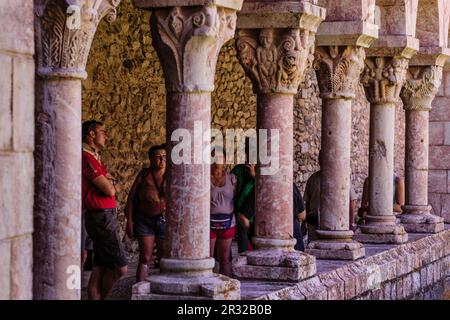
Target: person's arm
point(399, 195)
point(302, 216)
point(244, 222)
point(105, 186)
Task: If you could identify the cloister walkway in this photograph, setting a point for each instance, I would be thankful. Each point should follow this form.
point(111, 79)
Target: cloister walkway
point(252, 289)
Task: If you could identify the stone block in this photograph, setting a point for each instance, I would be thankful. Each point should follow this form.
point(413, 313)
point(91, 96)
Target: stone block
point(407, 285)
point(437, 181)
point(446, 82)
point(439, 157)
point(5, 102)
point(313, 289)
point(393, 290)
point(445, 207)
point(140, 288)
point(437, 133)
point(423, 277)
point(17, 26)
point(22, 267)
point(448, 181)
point(399, 287)
point(447, 133)
point(16, 202)
point(434, 199)
point(440, 110)
point(441, 90)
point(349, 282)
point(430, 274)
point(5, 272)
point(335, 285)
point(290, 266)
point(23, 104)
point(415, 282)
point(387, 291)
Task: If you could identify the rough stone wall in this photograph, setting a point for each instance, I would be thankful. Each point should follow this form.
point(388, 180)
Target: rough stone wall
point(125, 89)
point(439, 153)
point(16, 148)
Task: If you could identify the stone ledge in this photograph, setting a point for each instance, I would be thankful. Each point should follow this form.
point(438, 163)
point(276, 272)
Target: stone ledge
point(398, 273)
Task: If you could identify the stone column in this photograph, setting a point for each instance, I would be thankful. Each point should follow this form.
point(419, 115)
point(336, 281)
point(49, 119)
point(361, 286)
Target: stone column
point(338, 72)
point(188, 40)
point(418, 93)
point(383, 79)
point(63, 39)
point(275, 59)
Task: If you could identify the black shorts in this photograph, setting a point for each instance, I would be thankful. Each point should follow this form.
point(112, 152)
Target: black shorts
point(103, 228)
point(144, 226)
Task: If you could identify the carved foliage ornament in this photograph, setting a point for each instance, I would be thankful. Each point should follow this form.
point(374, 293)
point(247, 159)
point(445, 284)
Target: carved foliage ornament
point(188, 43)
point(275, 60)
point(338, 70)
point(383, 78)
point(64, 33)
point(421, 87)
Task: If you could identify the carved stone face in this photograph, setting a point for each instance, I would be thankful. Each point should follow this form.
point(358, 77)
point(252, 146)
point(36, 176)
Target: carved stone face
point(266, 38)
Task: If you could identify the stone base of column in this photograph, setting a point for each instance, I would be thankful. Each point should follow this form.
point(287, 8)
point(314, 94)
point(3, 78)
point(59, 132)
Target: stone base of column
point(336, 245)
point(381, 229)
point(418, 219)
point(178, 287)
point(187, 280)
point(274, 264)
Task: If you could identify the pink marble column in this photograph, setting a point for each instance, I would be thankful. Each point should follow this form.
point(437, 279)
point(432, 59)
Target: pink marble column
point(417, 95)
point(338, 72)
point(62, 48)
point(383, 79)
point(275, 60)
point(188, 40)
point(273, 212)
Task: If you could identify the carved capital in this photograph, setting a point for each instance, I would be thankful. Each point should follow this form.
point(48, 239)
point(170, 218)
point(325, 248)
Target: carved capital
point(338, 70)
point(421, 86)
point(188, 41)
point(64, 32)
point(275, 59)
point(383, 78)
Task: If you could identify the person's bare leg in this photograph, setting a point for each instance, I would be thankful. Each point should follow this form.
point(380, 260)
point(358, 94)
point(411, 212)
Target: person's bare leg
point(223, 253)
point(95, 283)
point(145, 256)
point(212, 244)
point(110, 278)
point(84, 254)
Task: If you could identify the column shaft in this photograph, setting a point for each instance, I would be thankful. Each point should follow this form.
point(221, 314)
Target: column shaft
point(338, 70)
point(416, 157)
point(335, 164)
point(188, 39)
point(188, 185)
point(383, 79)
point(417, 95)
point(381, 159)
point(274, 207)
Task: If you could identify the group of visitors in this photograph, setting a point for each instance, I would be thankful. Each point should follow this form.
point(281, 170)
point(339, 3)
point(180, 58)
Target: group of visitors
point(232, 211)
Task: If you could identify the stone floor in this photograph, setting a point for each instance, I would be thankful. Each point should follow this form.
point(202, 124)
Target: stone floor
point(249, 289)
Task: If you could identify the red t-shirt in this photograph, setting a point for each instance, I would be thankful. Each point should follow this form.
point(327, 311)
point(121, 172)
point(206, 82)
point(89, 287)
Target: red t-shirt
point(92, 197)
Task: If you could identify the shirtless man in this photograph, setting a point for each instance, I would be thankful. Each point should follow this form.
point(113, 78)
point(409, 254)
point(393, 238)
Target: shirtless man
point(145, 209)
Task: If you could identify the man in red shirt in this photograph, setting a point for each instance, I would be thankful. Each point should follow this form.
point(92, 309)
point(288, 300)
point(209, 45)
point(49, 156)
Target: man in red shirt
point(99, 206)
